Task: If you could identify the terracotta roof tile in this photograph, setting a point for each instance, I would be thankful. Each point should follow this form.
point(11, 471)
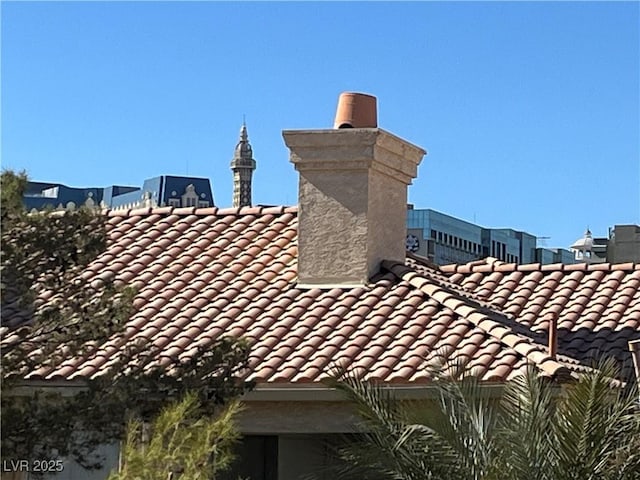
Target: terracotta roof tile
point(585, 299)
point(204, 273)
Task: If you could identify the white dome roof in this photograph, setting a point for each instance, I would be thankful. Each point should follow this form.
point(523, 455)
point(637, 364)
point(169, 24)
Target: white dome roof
point(584, 243)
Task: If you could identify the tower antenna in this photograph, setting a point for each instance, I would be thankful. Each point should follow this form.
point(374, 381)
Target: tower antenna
point(543, 241)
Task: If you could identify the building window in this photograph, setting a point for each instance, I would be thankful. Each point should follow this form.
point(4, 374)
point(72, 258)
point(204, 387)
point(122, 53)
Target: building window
point(203, 204)
point(174, 202)
point(433, 234)
point(431, 248)
point(190, 197)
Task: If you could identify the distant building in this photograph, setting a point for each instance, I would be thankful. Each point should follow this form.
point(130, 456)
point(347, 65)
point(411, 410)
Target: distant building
point(621, 246)
point(442, 238)
point(40, 195)
point(165, 190)
point(445, 239)
point(624, 244)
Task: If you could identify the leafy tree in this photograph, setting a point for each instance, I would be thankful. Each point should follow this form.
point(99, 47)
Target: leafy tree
point(584, 431)
point(43, 256)
point(52, 312)
point(181, 443)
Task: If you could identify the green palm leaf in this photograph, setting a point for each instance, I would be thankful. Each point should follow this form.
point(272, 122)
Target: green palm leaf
point(595, 423)
point(537, 429)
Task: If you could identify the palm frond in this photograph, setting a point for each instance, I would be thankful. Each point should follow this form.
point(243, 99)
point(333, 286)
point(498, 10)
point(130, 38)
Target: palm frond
point(389, 446)
point(526, 427)
point(595, 421)
point(467, 422)
point(537, 429)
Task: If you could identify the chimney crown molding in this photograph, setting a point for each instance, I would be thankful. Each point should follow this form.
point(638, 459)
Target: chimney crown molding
point(354, 149)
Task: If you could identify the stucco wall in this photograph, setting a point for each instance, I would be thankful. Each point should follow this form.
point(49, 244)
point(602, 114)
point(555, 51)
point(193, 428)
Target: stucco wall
point(277, 418)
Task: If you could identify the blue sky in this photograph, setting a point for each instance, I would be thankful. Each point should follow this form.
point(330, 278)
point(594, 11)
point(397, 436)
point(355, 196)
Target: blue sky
point(530, 112)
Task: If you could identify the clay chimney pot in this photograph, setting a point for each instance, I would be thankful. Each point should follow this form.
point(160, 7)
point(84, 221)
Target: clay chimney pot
point(356, 110)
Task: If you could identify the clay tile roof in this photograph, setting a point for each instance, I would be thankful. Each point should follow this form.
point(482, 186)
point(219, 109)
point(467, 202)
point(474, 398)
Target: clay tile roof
point(204, 273)
point(596, 305)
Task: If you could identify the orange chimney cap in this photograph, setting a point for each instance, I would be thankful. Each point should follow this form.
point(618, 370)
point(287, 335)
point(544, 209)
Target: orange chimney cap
point(356, 110)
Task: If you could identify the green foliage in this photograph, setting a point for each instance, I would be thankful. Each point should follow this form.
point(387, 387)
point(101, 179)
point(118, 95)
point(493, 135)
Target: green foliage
point(589, 430)
point(181, 443)
point(390, 445)
point(12, 187)
point(50, 424)
point(594, 427)
point(535, 429)
point(44, 256)
point(527, 427)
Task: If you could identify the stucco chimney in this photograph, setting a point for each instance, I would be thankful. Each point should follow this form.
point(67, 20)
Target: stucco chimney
point(352, 200)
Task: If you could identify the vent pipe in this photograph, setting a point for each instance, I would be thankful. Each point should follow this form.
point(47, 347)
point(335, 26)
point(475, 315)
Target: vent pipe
point(553, 335)
point(634, 348)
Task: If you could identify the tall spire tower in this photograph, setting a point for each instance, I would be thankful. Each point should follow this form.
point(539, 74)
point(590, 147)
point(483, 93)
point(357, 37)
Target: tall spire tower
point(242, 166)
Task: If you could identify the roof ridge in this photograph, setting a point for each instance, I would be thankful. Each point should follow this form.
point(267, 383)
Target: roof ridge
point(184, 211)
point(476, 313)
point(422, 260)
point(494, 265)
point(445, 279)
